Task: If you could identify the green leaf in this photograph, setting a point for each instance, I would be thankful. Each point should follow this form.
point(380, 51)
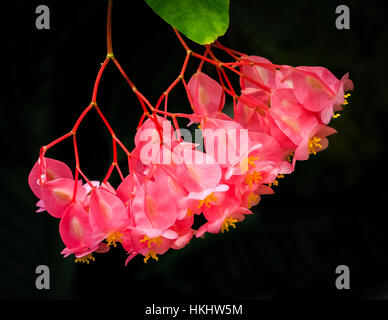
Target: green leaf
point(202, 21)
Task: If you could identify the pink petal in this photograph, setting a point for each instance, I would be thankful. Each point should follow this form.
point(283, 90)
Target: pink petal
point(58, 194)
point(107, 210)
point(208, 96)
point(74, 227)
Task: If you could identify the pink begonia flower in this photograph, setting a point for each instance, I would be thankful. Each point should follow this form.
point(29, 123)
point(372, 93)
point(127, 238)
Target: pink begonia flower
point(153, 211)
point(77, 234)
point(290, 116)
point(318, 90)
point(135, 242)
point(263, 150)
point(223, 216)
point(197, 201)
point(154, 215)
point(51, 169)
point(53, 184)
point(207, 94)
point(250, 198)
point(108, 215)
point(314, 142)
point(252, 120)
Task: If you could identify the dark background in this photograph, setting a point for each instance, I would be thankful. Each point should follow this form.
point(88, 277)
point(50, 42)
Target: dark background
point(331, 211)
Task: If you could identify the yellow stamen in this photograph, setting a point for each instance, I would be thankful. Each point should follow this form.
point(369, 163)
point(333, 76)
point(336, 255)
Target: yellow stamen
point(313, 143)
point(229, 222)
point(248, 162)
point(276, 182)
point(251, 161)
point(113, 238)
point(85, 259)
point(151, 254)
point(150, 241)
point(345, 100)
point(336, 115)
point(253, 177)
point(210, 198)
point(252, 199)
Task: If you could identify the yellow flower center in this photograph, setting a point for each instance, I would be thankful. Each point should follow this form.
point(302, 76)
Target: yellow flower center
point(151, 254)
point(253, 177)
point(150, 241)
point(229, 222)
point(251, 160)
point(248, 162)
point(313, 144)
point(113, 238)
point(85, 259)
point(206, 202)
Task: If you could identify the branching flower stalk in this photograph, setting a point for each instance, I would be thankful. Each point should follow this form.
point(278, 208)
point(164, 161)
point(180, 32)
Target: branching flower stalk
point(282, 111)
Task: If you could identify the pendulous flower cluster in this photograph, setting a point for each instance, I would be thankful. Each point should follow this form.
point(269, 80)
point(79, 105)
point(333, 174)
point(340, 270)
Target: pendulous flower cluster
point(281, 116)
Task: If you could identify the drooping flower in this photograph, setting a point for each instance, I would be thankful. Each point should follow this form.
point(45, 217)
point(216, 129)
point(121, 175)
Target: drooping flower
point(318, 90)
point(77, 234)
point(223, 216)
point(44, 170)
point(108, 215)
point(314, 142)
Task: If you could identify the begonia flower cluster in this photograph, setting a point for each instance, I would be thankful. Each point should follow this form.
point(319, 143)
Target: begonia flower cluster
point(281, 116)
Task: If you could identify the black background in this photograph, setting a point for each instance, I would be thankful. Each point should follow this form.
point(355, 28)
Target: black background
point(331, 211)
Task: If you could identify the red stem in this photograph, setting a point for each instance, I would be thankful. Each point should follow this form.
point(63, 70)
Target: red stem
point(109, 30)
